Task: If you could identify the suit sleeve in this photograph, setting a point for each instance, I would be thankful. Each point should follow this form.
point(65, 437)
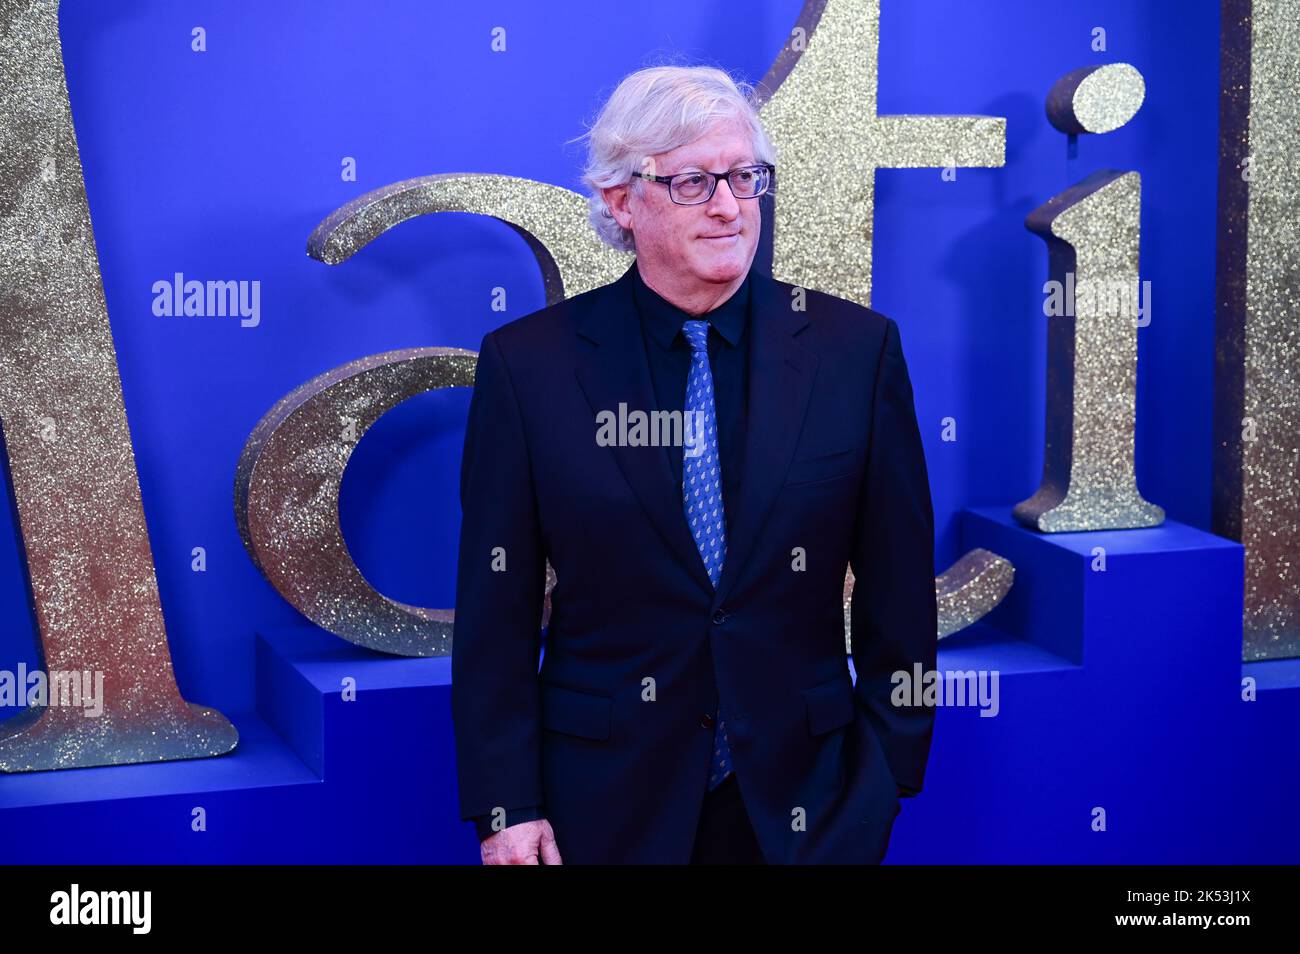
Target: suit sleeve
point(514, 816)
point(500, 587)
point(893, 612)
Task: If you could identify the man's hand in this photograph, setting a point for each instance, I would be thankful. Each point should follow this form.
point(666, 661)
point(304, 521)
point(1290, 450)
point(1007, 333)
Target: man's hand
point(521, 845)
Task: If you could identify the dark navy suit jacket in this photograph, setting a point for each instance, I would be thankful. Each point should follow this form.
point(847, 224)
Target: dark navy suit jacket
point(669, 356)
point(613, 736)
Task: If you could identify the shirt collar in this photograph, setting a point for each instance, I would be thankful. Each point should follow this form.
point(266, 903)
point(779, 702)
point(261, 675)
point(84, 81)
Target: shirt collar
point(664, 320)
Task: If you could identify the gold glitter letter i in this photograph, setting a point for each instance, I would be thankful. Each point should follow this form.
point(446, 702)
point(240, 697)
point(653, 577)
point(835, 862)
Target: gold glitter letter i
point(1091, 230)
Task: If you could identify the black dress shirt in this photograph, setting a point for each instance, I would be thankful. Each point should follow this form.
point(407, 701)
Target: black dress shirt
point(669, 355)
point(670, 366)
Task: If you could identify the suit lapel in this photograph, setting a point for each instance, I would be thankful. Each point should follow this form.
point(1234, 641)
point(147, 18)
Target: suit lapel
point(781, 373)
point(618, 371)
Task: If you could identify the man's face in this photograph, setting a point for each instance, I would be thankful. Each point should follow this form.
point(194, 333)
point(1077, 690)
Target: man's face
point(675, 244)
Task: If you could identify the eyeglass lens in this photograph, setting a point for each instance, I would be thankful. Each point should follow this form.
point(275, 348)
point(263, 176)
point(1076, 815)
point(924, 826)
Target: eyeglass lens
point(745, 183)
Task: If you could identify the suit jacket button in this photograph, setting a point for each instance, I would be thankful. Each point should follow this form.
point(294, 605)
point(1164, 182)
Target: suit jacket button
point(706, 721)
point(719, 617)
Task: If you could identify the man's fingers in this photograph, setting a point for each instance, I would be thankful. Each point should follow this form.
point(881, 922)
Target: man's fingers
point(520, 845)
point(550, 850)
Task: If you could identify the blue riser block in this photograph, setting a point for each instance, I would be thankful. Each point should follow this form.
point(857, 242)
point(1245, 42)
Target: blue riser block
point(142, 814)
point(315, 779)
point(1118, 689)
point(387, 758)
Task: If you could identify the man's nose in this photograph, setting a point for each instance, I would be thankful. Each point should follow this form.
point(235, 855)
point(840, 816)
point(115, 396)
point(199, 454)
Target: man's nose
point(727, 203)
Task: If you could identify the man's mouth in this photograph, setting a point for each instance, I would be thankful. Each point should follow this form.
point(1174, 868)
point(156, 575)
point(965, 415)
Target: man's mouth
point(721, 238)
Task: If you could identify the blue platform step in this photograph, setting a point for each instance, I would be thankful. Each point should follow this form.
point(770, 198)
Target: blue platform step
point(315, 779)
point(1121, 735)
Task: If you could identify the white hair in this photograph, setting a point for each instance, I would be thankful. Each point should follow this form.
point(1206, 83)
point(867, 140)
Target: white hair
point(653, 111)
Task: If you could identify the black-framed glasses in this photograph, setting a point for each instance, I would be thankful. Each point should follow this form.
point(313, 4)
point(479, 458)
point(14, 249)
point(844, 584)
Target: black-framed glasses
point(694, 188)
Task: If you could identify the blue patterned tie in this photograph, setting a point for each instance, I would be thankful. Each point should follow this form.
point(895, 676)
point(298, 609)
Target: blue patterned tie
point(702, 495)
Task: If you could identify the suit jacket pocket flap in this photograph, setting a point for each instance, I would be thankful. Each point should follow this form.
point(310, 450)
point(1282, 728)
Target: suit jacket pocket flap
point(830, 704)
point(576, 713)
point(822, 467)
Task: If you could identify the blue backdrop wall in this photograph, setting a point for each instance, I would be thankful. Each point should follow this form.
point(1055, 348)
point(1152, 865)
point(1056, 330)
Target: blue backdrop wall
point(219, 164)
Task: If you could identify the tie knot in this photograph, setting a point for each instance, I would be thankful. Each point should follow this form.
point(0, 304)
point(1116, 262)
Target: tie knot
point(697, 334)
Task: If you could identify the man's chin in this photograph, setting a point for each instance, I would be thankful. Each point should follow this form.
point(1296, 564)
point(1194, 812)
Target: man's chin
point(722, 268)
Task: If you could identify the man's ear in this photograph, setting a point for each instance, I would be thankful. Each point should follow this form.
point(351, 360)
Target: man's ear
point(616, 198)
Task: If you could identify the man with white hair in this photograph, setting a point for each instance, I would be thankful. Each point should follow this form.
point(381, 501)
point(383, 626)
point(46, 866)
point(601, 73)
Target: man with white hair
point(694, 704)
